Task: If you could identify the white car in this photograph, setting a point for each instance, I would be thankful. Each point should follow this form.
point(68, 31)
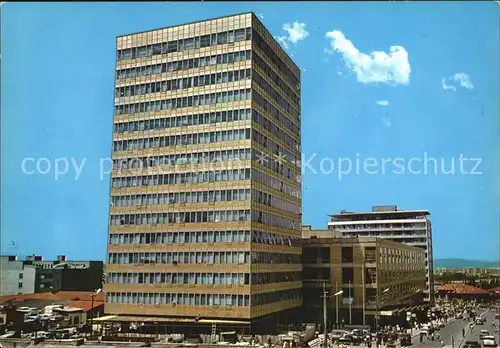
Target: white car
point(483, 334)
point(489, 341)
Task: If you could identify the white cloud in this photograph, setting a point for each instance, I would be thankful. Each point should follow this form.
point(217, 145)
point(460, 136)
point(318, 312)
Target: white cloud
point(376, 67)
point(457, 80)
point(387, 123)
point(283, 41)
point(296, 32)
point(382, 102)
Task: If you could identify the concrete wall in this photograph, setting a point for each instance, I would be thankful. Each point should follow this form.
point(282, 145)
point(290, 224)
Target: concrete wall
point(14, 278)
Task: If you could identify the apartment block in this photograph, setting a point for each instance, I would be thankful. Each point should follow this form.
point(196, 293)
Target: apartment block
point(363, 277)
point(411, 227)
point(205, 215)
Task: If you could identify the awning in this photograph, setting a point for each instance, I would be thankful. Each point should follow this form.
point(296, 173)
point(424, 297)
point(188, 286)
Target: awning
point(139, 319)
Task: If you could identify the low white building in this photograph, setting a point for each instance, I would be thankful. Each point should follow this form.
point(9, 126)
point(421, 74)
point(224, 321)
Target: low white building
point(15, 277)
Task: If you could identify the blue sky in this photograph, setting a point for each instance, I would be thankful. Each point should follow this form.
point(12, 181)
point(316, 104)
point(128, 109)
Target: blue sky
point(437, 96)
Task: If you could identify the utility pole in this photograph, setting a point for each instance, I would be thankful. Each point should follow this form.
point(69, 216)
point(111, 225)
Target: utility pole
point(376, 310)
point(452, 341)
point(324, 314)
point(337, 304)
point(350, 304)
point(364, 293)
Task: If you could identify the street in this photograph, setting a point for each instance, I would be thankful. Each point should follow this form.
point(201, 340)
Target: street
point(474, 334)
point(454, 329)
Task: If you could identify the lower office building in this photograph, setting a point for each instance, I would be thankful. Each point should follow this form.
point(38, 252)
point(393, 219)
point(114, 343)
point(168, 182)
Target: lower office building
point(412, 227)
point(362, 277)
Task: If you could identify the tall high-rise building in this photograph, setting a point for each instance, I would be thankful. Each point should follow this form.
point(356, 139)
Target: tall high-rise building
point(205, 213)
point(411, 227)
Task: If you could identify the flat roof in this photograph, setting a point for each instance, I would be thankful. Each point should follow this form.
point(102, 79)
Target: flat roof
point(396, 212)
point(130, 318)
point(217, 18)
point(187, 23)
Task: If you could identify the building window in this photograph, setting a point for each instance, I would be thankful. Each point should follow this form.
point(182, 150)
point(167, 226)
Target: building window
point(20, 276)
point(370, 254)
point(370, 275)
point(20, 285)
point(348, 295)
point(347, 275)
point(371, 296)
point(347, 254)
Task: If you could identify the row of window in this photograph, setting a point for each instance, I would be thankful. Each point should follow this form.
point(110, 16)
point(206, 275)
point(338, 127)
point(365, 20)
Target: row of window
point(293, 110)
point(182, 197)
point(276, 184)
point(185, 120)
point(185, 64)
point(184, 83)
point(206, 41)
point(184, 102)
point(186, 44)
point(271, 54)
point(272, 128)
point(204, 216)
point(388, 234)
point(201, 237)
point(274, 148)
point(277, 79)
point(201, 177)
point(231, 155)
point(180, 217)
point(181, 237)
point(183, 139)
point(204, 177)
point(274, 220)
point(182, 159)
point(272, 110)
point(183, 299)
point(203, 257)
point(182, 178)
point(203, 278)
point(383, 226)
point(275, 163)
point(204, 197)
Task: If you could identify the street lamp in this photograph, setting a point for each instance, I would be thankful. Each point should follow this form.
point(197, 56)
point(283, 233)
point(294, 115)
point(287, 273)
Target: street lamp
point(336, 295)
point(377, 308)
point(325, 294)
point(92, 312)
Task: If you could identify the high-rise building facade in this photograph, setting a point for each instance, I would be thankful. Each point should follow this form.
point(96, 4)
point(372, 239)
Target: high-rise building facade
point(205, 213)
point(411, 227)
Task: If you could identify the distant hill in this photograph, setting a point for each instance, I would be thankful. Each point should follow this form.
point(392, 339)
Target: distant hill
point(464, 263)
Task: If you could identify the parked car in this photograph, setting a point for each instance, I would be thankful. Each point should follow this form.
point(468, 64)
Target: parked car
point(472, 344)
point(483, 334)
point(489, 341)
